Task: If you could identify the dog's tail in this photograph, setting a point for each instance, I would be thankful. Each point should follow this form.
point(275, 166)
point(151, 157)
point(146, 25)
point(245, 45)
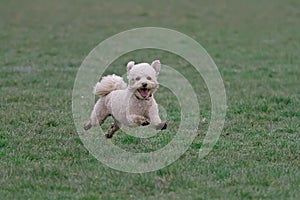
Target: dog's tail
point(108, 84)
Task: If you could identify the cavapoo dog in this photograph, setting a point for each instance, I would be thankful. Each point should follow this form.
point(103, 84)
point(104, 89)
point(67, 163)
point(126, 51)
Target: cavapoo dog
point(132, 105)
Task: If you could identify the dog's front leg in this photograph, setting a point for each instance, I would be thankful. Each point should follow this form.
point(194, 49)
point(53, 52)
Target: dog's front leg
point(137, 120)
point(155, 119)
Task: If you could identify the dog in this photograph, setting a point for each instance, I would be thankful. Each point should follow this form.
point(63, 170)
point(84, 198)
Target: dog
point(132, 105)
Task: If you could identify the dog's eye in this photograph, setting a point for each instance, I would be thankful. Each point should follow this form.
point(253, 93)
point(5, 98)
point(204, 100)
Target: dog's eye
point(138, 78)
point(149, 78)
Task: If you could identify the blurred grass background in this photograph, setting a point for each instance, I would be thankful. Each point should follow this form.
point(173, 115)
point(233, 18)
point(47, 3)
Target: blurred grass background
point(256, 46)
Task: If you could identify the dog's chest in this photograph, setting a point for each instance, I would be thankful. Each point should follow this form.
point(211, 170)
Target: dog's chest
point(140, 107)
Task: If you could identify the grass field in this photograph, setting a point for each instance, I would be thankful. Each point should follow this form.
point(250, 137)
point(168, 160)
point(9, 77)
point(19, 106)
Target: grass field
point(256, 46)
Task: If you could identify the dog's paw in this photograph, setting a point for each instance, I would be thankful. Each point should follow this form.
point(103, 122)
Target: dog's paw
point(161, 126)
point(145, 123)
point(140, 120)
point(87, 126)
point(112, 129)
point(108, 136)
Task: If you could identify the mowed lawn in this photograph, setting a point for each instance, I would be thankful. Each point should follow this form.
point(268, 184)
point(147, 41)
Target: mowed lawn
point(256, 46)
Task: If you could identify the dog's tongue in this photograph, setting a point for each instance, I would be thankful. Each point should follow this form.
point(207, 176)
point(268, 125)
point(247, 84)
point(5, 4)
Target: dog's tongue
point(144, 93)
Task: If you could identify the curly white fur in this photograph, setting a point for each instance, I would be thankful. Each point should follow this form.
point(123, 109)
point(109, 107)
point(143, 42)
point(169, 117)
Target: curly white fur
point(132, 105)
point(108, 84)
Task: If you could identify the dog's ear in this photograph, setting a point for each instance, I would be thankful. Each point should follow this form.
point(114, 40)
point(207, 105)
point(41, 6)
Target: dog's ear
point(156, 65)
point(130, 65)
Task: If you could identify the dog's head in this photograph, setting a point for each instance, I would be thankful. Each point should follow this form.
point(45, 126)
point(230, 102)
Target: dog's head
point(142, 78)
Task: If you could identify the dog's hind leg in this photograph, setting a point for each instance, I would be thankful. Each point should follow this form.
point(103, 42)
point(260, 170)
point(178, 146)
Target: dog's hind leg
point(112, 129)
point(99, 114)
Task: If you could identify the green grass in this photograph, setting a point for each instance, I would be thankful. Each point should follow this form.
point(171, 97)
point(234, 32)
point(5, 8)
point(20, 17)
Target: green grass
point(256, 46)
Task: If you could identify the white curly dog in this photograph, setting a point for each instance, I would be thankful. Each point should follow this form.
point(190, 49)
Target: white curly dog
point(132, 105)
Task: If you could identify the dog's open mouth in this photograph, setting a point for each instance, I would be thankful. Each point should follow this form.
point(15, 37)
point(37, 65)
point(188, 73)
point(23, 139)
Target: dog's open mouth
point(144, 92)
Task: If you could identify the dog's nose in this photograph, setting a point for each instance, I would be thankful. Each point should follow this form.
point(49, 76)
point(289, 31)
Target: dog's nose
point(144, 85)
